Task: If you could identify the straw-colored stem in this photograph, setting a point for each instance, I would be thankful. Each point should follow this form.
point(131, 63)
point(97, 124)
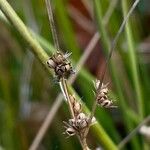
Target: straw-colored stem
point(64, 89)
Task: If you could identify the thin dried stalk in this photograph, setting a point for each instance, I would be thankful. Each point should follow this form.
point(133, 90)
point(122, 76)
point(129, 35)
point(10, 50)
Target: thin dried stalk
point(64, 89)
point(112, 48)
point(52, 24)
point(63, 82)
point(43, 129)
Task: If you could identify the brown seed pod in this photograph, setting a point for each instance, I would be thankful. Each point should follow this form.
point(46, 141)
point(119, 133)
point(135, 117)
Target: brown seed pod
point(102, 96)
point(76, 125)
point(60, 64)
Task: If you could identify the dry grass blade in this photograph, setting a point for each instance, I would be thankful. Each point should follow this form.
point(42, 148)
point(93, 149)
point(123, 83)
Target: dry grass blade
point(49, 118)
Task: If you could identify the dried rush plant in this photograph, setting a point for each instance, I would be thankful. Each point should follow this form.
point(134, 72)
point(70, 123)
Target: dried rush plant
point(79, 123)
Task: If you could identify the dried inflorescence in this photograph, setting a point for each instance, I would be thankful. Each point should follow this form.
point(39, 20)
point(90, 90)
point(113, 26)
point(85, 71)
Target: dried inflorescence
point(76, 125)
point(102, 95)
point(80, 122)
point(59, 62)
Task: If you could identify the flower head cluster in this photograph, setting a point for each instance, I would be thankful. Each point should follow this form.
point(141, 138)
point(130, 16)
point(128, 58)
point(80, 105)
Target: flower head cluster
point(102, 95)
point(78, 124)
point(60, 64)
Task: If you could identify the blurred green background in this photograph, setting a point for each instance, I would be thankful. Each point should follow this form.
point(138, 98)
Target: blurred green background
point(27, 92)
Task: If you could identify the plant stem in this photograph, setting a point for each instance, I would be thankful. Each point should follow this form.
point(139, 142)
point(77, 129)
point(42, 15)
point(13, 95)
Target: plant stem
point(18, 24)
point(52, 24)
point(64, 89)
point(83, 143)
point(63, 81)
point(133, 61)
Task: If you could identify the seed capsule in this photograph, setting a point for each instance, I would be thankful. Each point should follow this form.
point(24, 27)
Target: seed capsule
point(60, 64)
point(102, 96)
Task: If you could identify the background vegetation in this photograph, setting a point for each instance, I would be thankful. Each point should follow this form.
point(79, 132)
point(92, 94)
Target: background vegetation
point(27, 92)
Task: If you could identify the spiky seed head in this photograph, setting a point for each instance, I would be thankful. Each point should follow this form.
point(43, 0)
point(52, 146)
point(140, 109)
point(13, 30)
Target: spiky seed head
point(60, 64)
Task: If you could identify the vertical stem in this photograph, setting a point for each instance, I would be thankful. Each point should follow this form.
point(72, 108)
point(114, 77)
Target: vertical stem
point(83, 143)
point(52, 24)
point(133, 61)
point(65, 91)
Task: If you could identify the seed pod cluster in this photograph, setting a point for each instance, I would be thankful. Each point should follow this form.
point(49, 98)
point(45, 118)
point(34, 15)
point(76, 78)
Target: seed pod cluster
point(76, 125)
point(102, 96)
point(59, 62)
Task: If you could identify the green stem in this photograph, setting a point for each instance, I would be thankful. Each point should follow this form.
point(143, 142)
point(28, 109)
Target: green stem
point(133, 61)
point(22, 29)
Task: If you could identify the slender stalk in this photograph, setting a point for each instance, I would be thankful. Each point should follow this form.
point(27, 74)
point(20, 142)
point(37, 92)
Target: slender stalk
point(133, 62)
point(43, 129)
point(64, 89)
point(84, 143)
point(63, 81)
point(52, 24)
point(112, 48)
